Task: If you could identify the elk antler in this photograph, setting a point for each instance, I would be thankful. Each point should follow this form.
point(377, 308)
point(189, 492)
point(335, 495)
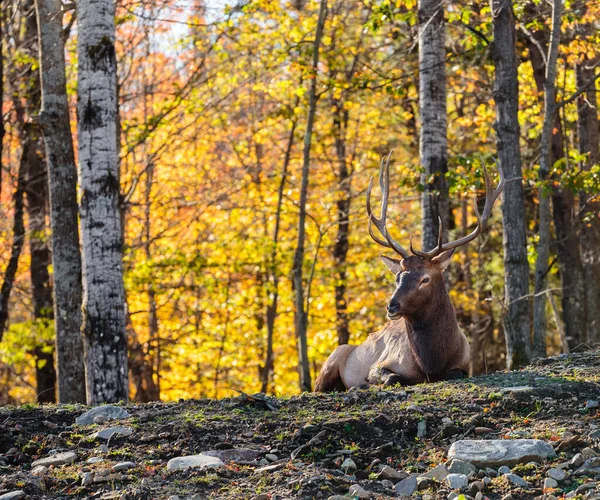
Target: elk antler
point(491, 195)
point(380, 223)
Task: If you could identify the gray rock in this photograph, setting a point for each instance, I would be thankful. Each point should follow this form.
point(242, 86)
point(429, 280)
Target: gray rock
point(517, 480)
point(68, 457)
point(550, 483)
point(100, 419)
point(271, 457)
point(111, 432)
point(358, 491)
point(234, 455)
point(407, 486)
point(386, 483)
point(13, 495)
point(194, 462)
point(491, 472)
point(457, 481)
point(388, 472)
point(424, 483)
point(107, 411)
point(94, 460)
point(588, 453)
point(479, 496)
point(595, 435)
point(348, 465)
point(39, 470)
point(456, 466)
point(439, 473)
point(497, 452)
point(590, 466)
point(337, 497)
point(557, 474)
point(591, 404)
point(123, 466)
point(504, 470)
point(476, 487)
point(487, 481)
point(421, 429)
point(577, 460)
point(87, 479)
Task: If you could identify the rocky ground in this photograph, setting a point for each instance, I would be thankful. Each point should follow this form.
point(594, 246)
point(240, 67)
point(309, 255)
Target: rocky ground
point(364, 444)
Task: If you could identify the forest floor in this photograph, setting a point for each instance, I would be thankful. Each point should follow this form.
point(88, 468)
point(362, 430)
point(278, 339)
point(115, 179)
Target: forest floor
point(297, 447)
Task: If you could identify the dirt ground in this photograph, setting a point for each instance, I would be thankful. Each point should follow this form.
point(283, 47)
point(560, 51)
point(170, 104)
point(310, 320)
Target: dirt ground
point(296, 447)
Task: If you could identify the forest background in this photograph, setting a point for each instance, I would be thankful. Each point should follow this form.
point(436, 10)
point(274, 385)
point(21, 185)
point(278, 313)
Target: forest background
point(213, 102)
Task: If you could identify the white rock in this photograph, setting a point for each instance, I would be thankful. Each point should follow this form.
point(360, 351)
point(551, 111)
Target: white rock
point(194, 462)
point(68, 457)
point(357, 491)
point(87, 479)
point(39, 470)
point(123, 466)
point(421, 428)
point(94, 460)
point(111, 432)
point(348, 465)
point(13, 495)
point(107, 411)
point(497, 452)
point(457, 481)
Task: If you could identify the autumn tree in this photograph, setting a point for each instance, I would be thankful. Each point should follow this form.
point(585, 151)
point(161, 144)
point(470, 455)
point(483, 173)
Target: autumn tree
point(433, 148)
point(104, 327)
point(62, 187)
point(516, 265)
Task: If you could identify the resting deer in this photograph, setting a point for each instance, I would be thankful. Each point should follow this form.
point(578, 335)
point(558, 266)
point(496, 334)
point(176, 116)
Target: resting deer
point(422, 342)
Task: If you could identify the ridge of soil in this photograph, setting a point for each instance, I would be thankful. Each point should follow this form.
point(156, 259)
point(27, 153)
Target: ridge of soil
point(311, 435)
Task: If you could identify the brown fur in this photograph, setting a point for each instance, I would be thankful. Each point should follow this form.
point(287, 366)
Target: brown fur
point(423, 343)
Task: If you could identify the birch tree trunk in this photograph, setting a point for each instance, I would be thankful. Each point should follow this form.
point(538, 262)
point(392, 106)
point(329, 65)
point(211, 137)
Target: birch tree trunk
point(589, 138)
point(62, 179)
point(297, 269)
point(516, 265)
point(103, 292)
point(543, 248)
point(433, 147)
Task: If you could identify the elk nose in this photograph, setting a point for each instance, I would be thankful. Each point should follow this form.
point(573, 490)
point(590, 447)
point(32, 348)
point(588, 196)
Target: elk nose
point(393, 308)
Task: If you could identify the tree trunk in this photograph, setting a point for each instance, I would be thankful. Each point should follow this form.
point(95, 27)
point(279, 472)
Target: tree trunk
point(18, 236)
point(37, 197)
point(543, 248)
point(267, 370)
point(297, 269)
point(433, 147)
point(341, 245)
point(103, 292)
point(62, 178)
point(589, 138)
point(516, 265)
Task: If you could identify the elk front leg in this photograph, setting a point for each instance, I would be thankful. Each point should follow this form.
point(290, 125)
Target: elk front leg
point(383, 376)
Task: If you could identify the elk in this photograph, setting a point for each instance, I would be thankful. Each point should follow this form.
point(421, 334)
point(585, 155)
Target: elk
point(422, 342)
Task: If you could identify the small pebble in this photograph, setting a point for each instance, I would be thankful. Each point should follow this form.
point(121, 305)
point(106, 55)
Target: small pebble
point(549, 483)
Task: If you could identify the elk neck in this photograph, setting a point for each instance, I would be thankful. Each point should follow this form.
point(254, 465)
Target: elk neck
point(432, 333)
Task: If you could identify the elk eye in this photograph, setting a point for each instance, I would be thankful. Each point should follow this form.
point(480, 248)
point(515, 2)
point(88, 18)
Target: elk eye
point(425, 281)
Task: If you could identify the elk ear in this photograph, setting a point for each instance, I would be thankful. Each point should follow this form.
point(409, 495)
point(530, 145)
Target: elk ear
point(393, 265)
point(444, 258)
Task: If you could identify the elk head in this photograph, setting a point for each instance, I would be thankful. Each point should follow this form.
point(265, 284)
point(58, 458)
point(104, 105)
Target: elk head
point(419, 282)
